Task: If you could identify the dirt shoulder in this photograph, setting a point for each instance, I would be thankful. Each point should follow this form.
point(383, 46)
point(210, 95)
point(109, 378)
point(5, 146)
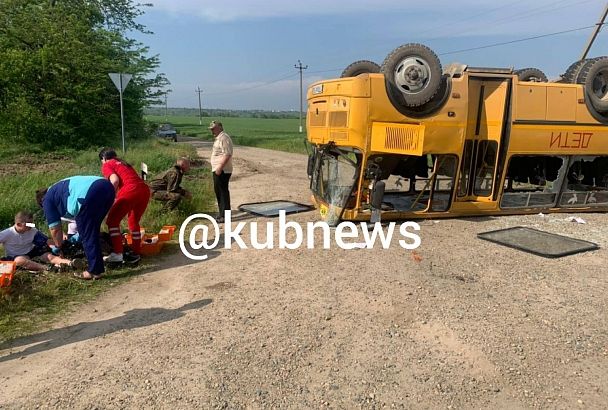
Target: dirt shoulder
point(463, 323)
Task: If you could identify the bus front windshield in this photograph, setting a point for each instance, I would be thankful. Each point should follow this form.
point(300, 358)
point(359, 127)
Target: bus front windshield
point(334, 176)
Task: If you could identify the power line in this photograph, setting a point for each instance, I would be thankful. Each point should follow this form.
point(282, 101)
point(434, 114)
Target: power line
point(254, 86)
point(516, 41)
point(326, 71)
point(291, 75)
point(595, 33)
point(469, 18)
point(519, 16)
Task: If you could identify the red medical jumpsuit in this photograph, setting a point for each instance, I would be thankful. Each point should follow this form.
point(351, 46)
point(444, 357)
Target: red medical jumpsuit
point(132, 198)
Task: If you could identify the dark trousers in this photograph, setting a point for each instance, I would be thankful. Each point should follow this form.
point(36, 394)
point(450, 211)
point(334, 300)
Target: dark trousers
point(220, 184)
point(94, 208)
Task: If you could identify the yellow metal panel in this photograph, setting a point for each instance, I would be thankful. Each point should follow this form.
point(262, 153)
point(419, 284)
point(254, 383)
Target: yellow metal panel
point(338, 135)
point(530, 102)
point(561, 104)
point(316, 120)
point(558, 139)
point(582, 112)
point(351, 86)
point(317, 112)
point(316, 135)
point(395, 138)
point(338, 119)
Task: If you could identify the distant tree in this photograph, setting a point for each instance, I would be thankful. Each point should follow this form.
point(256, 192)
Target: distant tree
point(55, 57)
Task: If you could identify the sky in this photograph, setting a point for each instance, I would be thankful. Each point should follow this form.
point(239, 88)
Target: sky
point(242, 53)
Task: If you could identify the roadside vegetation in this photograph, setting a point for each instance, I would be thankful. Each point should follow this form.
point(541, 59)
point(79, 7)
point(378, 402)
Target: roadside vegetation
point(278, 134)
point(58, 107)
point(34, 298)
point(55, 57)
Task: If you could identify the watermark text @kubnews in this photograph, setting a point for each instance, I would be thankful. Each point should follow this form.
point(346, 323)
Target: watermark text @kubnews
point(205, 234)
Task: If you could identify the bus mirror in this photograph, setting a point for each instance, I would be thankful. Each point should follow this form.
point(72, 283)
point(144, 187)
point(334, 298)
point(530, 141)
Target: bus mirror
point(377, 194)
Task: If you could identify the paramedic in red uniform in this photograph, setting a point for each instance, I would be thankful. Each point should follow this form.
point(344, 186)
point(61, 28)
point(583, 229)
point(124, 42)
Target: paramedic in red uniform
point(132, 197)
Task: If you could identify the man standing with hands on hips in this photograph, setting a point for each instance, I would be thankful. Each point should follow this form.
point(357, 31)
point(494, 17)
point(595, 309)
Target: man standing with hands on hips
point(221, 166)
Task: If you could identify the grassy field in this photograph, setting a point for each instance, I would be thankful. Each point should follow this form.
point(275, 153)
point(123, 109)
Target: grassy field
point(35, 298)
point(278, 134)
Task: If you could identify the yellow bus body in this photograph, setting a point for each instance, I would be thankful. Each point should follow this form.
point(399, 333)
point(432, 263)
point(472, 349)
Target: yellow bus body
point(538, 123)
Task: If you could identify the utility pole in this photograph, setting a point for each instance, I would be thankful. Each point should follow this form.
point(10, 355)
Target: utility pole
point(200, 110)
point(300, 67)
point(595, 32)
point(166, 109)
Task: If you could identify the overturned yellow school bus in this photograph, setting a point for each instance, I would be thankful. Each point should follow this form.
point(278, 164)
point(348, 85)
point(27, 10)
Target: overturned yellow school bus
point(409, 140)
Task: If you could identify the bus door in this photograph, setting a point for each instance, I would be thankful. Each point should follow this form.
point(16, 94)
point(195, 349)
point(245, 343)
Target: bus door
point(478, 180)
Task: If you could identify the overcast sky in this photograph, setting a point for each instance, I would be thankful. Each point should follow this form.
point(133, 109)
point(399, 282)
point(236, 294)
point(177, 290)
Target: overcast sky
point(242, 52)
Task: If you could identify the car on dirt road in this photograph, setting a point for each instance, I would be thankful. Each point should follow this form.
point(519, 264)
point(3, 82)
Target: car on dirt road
point(167, 131)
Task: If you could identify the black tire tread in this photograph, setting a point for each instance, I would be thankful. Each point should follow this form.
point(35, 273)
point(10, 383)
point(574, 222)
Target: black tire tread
point(572, 72)
point(586, 78)
point(525, 74)
point(579, 79)
point(360, 67)
point(394, 57)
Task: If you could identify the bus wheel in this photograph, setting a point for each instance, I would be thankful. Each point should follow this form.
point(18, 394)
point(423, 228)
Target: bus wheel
point(397, 99)
point(415, 70)
point(360, 67)
point(594, 77)
point(573, 71)
point(531, 74)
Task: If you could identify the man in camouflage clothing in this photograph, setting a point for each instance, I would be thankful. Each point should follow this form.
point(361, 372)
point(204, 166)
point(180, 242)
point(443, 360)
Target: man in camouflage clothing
point(166, 187)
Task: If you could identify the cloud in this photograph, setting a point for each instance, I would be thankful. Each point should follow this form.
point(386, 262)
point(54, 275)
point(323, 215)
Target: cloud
point(278, 95)
point(232, 10)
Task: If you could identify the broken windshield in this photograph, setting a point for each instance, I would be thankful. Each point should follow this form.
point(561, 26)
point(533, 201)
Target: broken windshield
point(334, 175)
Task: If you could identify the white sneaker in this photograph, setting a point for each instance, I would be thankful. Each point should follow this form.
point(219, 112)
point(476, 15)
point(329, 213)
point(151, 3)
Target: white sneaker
point(113, 257)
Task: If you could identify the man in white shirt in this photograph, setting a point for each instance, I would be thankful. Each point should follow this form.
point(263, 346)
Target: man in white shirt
point(221, 166)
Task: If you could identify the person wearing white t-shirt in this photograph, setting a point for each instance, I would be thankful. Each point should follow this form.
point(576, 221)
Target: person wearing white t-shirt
point(221, 166)
point(22, 242)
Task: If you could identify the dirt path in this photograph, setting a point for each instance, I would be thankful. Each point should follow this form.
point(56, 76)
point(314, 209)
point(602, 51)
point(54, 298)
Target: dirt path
point(461, 324)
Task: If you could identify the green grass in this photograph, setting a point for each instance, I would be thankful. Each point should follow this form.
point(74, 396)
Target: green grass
point(36, 298)
point(278, 134)
point(22, 175)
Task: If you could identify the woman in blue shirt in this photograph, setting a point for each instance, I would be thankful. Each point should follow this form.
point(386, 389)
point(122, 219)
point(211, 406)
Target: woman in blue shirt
point(87, 199)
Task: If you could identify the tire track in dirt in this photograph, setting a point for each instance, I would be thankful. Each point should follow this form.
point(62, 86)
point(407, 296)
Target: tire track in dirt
point(464, 324)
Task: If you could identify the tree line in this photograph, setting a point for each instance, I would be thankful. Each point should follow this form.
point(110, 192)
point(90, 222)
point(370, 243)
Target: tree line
point(55, 56)
point(221, 112)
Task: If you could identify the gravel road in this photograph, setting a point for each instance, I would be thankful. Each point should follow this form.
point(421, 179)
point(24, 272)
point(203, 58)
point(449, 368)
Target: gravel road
point(457, 323)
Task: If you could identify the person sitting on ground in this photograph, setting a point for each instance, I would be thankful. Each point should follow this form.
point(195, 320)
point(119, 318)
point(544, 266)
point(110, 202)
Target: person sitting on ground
point(132, 197)
point(166, 187)
point(86, 199)
point(23, 242)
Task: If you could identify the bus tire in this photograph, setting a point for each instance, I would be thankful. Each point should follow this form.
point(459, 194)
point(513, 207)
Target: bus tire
point(435, 104)
point(414, 70)
point(360, 67)
point(594, 77)
point(531, 74)
point(584, 69)
point(573, 71)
